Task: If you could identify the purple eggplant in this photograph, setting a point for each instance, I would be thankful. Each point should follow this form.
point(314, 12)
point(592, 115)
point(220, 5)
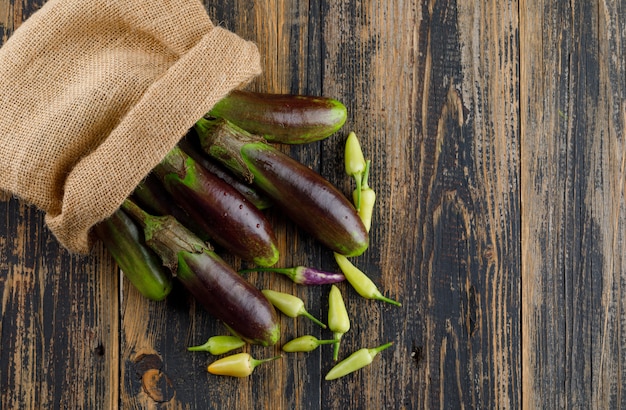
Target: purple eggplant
point(231, 221)
point(283, 118)
point(248, 191)
point(308, 199)
point(220, 290)
point(143, 268)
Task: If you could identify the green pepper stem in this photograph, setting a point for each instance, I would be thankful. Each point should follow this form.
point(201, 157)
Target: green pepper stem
point(200, 348)
point(375, 350)
point(381, 297)
point(366, 174)
point(337, 336)
point(313, 318)
point(255, 362)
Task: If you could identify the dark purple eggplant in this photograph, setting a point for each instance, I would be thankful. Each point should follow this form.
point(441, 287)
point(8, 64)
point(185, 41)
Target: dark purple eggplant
point(213, 283)
point(231, 221)
point(282, 118)
point(143, 268)
point(307, 198)
point(194, 151)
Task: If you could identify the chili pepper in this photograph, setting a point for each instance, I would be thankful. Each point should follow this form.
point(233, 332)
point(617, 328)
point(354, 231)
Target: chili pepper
point(365, 198)
point(303, 275)
point(355, 361)
point(290, 305)
point(217, 345)
point(338, 319)
point(360, 282)
point(237, 365)
point(355, 164)
point(306, 344)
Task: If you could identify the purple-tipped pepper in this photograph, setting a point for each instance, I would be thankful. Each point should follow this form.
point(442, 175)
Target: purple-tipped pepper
point(306, 343)
point(222, 292)
point(230, 220)
point(303, 275)
point(355, 361)
point(237, 365)
point(308, 199)
point(290, 305)
point(217, 345)
point(363, 285)
point(338, 319)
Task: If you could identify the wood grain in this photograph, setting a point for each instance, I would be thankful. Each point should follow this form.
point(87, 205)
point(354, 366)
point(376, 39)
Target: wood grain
point(496, 130)
point(573, 203)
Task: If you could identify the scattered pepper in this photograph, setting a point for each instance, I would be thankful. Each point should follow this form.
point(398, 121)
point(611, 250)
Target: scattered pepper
point(290, 305)
point(217, 345)
point(354, 163)
point(306, 344)
point(365, 198)
point(360, 282)
point(355, 361)
point(338, 319)
point(303, 275)
point(237, 365)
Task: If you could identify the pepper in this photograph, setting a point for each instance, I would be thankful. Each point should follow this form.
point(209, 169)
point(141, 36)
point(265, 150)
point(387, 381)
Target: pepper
point(303, 275)
point(338, 319)
point(354, 163)
point(237, 365)
point(360, 282)
point(217, 345)
point(306, 344)
point(364, 199)
point(290, 305)
point(355, 361)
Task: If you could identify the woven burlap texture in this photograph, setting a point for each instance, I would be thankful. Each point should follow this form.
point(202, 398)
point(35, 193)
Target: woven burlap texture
point(93, 94)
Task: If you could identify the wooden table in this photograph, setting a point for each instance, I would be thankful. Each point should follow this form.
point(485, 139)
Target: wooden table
point(497, 134)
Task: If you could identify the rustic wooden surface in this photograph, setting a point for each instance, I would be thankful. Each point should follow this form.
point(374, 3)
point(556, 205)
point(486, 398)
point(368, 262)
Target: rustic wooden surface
point(497, 134)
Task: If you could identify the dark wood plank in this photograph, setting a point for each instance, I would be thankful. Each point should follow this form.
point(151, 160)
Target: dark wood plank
point(573, 203)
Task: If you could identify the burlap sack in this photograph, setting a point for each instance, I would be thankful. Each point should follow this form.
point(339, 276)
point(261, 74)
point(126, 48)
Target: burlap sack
point(93, 94)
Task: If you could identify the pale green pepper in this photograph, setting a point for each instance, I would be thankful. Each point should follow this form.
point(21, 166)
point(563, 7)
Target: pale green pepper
point(360, 281)
point(217, 345)
point(290, 305)
point(355, 361)
point(306, 343)
point(354, 163)
point(364, 199)
point(236, 365)
point(338, 319)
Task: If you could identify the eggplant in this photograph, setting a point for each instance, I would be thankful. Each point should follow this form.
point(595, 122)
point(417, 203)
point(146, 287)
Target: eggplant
point(307, 198)
point(192, 149)
point(230, 220)
point(143, 268)
point(282, 118)
point(213, 283)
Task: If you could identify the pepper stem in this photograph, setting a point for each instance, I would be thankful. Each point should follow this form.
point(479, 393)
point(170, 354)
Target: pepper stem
point(380, 296)
point(337, 336)
point(366, 174)
point(200, 348)
point(255, 362)
point(375, 350)
point(314, 319)
point(358, 179)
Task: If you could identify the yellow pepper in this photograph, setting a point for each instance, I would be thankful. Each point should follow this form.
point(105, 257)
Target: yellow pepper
point(338, 319)
point(355, 361)
point(360, 282)
point(236, 365)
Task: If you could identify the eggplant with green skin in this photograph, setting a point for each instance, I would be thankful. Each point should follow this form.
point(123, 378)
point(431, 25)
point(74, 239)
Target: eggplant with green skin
point(251, 194)
point(282, 118)
point(308, 199)
point(143, 268)
point(213, 283)
point(230, 220)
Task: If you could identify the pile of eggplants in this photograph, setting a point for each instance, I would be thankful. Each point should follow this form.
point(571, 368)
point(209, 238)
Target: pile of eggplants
point(212, 190)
